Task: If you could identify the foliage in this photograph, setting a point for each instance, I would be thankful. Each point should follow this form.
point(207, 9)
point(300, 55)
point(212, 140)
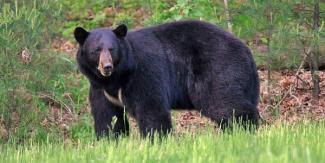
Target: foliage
point(249, 18)
point(186, 9)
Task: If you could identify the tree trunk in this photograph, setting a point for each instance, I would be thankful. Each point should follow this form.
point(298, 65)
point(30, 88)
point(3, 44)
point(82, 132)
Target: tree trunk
point(314, 55)
point(269, 52)
point(228, 16)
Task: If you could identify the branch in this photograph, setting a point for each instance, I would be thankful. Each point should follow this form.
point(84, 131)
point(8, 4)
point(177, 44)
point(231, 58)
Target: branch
point(289, 92)
point(65, 106)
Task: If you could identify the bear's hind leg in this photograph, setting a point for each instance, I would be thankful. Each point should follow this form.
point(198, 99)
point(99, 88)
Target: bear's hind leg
point(226, 114)
point(227, 110)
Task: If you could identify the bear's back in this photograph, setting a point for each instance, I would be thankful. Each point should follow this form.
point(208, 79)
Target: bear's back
point(184, 40)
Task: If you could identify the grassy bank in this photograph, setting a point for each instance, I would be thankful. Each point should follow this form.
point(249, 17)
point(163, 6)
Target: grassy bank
point(283, 143)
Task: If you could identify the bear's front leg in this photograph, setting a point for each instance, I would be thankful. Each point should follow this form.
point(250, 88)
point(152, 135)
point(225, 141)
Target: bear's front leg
point(103, 112)
point(153, 121)
point(153, 117)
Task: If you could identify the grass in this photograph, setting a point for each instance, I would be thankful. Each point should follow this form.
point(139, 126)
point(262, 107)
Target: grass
point(283, 143)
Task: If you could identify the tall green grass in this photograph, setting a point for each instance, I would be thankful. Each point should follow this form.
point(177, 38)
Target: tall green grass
point(285, 143)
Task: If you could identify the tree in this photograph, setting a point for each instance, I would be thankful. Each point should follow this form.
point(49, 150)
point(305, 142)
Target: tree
point(314, 55)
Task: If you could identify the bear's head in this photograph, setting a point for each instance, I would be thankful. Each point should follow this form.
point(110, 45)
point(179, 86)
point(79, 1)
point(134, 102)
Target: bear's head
point(100, 50)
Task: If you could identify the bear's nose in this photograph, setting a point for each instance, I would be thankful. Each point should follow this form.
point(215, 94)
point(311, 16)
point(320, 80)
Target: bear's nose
point(107, 69)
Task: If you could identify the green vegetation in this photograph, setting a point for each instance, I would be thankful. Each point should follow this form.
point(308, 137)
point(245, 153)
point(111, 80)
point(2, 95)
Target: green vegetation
point(299, 143)
point(32, 74)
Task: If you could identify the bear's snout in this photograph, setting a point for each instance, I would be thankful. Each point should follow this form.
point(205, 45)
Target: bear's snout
point(105, 65)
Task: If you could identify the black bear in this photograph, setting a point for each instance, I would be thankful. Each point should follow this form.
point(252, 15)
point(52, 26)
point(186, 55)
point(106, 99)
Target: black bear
point(180, 65)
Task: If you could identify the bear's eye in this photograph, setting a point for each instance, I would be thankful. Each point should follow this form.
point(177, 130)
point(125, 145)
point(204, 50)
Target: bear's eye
point(110, 49)
point(96, 52)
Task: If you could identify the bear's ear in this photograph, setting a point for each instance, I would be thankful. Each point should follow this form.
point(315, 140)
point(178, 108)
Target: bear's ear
point(80, 35)
point(121, 31)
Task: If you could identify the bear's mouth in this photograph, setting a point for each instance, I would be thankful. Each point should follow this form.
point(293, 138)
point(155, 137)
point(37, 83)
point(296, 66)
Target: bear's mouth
point(104, 73)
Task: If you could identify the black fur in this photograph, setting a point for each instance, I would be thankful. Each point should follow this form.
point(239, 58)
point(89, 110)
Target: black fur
point(183, 65)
